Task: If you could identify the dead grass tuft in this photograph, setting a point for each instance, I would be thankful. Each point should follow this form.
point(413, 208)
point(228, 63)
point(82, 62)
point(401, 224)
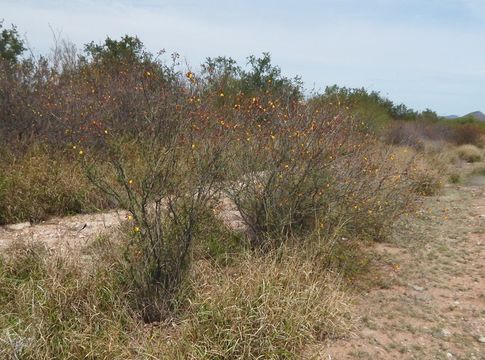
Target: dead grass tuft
point(469, 153)
point(265, 307)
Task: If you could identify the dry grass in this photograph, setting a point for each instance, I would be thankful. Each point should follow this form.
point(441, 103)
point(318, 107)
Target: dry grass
point(55, 307)
point(42, 183)
point(427, 168)
point(265, 307)
point(269, 306)
point(469, 153)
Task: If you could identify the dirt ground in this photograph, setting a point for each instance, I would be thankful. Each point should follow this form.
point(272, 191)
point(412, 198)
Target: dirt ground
point(74, 232)
point(430, 303)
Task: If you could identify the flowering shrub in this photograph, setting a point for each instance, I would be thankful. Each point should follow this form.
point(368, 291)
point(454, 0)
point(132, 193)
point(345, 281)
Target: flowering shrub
point(163, 142)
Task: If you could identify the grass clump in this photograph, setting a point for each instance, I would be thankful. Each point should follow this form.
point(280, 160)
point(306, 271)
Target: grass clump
point(479, 171)
point(271, 306)
point(455, 178)
point(265, 307)
point(43, 183)
point(56, 307)
point(469, 153)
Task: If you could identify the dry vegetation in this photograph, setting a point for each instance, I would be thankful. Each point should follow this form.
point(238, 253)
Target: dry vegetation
point(314, 181)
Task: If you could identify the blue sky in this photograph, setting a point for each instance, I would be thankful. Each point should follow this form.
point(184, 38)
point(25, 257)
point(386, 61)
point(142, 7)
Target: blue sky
point(424, 53)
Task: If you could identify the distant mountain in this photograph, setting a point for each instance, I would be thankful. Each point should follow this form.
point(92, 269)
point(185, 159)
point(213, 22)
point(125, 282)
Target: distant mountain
point(478, 115)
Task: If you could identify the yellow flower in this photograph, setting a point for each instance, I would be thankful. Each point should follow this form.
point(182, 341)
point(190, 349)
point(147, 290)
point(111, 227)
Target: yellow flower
point(221, 94)
point(136, 229)
point(193, 146)
point(130, 182)
point(81, 152)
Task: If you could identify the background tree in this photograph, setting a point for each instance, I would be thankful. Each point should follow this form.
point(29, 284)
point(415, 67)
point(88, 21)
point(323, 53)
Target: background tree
point(11, 46)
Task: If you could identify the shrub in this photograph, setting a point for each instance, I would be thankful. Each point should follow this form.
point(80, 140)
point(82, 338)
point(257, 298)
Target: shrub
point(316, 170)
point(375, 187)
point(417, 134)
point(282, 174)
point(469, 153)
point(467, 134)
point(166, 190)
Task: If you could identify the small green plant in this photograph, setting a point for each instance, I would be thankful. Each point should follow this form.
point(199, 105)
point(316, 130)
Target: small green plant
point(455, 178)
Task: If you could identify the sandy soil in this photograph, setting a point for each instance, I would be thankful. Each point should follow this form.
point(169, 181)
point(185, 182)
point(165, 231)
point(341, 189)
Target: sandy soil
point(432, 302)
point(75, 232)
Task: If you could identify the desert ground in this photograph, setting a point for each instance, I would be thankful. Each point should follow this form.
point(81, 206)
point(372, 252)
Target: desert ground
point(424, 300)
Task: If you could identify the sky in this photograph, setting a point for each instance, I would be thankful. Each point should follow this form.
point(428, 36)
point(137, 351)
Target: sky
point(423, 53)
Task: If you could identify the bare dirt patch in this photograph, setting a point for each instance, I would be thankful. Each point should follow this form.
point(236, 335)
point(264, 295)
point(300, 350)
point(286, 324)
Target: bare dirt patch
point(433, 304)
point(75, 232)
point(70, 232)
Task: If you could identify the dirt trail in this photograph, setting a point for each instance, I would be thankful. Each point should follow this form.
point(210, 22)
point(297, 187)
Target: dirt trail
point(74, 232)
point(69, 232)
point(432, 305)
